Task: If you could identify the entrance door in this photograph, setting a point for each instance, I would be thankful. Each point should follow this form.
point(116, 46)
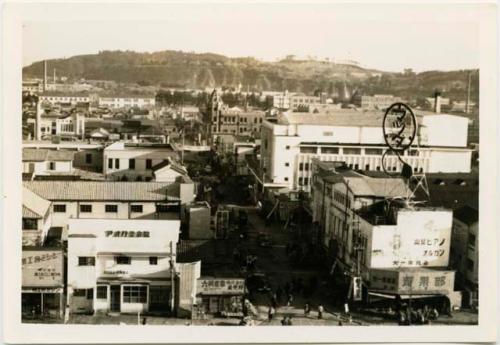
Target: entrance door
point(115, 298)
point(159, 299)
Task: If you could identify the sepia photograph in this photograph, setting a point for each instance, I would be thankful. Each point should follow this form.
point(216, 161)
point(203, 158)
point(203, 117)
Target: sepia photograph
point(253, 164)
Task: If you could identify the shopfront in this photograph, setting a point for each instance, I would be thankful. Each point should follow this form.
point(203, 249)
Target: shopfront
point(219, 297)
point(43, 283)
point(122, 266)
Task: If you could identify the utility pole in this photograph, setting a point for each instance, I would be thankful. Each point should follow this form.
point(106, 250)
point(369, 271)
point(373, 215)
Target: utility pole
point(467, 106)
point(172, 279)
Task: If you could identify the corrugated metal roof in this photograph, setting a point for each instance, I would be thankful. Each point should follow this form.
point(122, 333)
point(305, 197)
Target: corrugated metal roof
point(104, 190)
point(41, 155)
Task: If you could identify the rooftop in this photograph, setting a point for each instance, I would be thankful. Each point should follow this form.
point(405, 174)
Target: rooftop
point(104, 190)
point(64, 94)
point(34, 206)
point(42, 155)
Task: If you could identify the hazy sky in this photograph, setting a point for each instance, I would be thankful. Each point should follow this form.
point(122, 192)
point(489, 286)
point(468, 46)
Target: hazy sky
point(388, 42)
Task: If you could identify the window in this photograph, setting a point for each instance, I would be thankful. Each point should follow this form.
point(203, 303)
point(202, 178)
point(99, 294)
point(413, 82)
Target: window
point(110, 163)
point(123, 260)
point(287, 164)
point(86, 208)
point(287, 147)
point(286, 178)
point(135, 294)
point(301, 166)
point(88, 158)
point(30, 224)
point(306, 181)
point(351, 151)
point(111, 208)
point(117, 163)
point(470, 265)
point(356, 166)
point(52, 166)
point(90, 293)
point(58, 208)
point(300, 181)
point(472, 241)
point(308, 150)
point(330, 150)
point(131, 164)
point(373, 152)
point(306, 166)
point(163, 208)
point(136, 208)
point(79, 292)
point(153, 260)
point(86, 261)
point(149, 163)
point(102, 292)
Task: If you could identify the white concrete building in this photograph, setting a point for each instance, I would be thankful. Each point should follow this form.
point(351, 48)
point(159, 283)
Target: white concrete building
point(126, 101)
point(380, 102)
point(292, 140)
point(136, 161)
point(122, 266)
point(55, 98)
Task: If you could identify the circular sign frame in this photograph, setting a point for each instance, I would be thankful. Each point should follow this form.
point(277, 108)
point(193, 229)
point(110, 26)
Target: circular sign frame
point(396, 134)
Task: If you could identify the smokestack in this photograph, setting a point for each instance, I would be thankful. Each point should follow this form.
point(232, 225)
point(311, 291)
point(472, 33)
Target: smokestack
point(44, 75)
point(54, 75)
point(38, 122)
point(437, 102)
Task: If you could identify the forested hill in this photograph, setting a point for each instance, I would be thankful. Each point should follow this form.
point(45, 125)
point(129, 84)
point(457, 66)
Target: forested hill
point(192, 70)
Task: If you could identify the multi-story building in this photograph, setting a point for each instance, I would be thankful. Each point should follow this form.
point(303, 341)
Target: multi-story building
point(53, 123)
point(337, 192)
point(290, 142)
point(122, 266)
point(33, 87)
point(140, 161)
point(55, 97)
point(36, 218)
point(294, 101)
point(464, 256)
point(380, 102)
point(111, 200)
point(127, 101)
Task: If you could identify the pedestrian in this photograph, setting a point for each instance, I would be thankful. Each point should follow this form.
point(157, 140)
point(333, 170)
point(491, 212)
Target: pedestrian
point(270, 313)
point(284, 321)
point(307, 310)
point(320, 311)
point(340, 323)
point(279, 292)
point(290, 300)
point(143, 320)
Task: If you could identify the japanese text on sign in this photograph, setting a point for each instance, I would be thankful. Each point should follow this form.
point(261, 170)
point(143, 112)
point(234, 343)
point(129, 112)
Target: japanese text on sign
point(221, 286)
point(131, 234)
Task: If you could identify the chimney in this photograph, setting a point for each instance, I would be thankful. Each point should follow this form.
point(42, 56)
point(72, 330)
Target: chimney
point(44, 75)
point(437, 102)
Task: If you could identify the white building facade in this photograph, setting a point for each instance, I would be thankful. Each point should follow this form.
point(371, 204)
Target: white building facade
point(124, 102)
point(291, 142)
point(122, 266)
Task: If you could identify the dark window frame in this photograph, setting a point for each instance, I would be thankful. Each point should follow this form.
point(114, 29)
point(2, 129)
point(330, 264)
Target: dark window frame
point(85, 208)
point(111, 208)
point(59, 208)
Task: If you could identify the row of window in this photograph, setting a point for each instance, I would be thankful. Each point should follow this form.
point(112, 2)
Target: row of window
point(119, 260)
point(349, 151)
point(113, 208)
point(131, 163)
point(131, 293)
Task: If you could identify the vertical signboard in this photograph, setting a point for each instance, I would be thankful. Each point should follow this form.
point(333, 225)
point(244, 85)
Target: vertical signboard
point(42, 268)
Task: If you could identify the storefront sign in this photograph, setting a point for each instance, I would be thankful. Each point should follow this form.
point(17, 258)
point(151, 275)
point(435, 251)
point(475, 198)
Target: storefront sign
point(117, 272)
point(221, 286)
point(130, 234)
point(420, 239)
point(42, 268)
point(416, 281)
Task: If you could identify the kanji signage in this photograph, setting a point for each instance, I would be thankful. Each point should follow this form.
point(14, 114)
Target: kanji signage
point(412, 281)
point(420, 239)
point(126, 233)
point(221, 286)
point(42, 268)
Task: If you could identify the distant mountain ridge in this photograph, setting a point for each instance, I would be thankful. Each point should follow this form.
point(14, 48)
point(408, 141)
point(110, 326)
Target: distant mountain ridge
point(206, 70)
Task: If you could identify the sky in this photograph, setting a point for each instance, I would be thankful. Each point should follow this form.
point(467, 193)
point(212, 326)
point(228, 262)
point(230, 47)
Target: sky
point(388, 39)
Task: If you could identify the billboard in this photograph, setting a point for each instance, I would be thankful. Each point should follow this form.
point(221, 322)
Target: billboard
point(221, 286)
point(412, 281)
point(42, 268)
point(421, 238)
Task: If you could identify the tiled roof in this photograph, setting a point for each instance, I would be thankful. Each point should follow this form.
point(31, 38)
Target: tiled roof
point(27, 213)
point(41, 155)
point(104, 190)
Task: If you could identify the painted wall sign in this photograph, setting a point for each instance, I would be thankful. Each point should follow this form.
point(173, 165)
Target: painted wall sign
point(126, 233)
point(42, 268)
point(420, 239)
point(211, 286)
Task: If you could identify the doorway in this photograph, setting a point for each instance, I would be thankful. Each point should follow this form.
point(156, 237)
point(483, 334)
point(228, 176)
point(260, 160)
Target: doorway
point(115, 298)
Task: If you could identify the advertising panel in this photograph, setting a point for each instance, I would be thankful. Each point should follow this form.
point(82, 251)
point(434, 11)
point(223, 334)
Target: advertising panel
point(221, 286)
point(412, 281)
point(421, 238)
point(42, 268)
